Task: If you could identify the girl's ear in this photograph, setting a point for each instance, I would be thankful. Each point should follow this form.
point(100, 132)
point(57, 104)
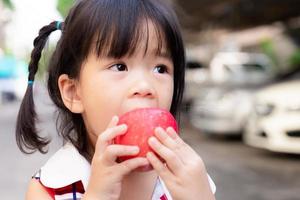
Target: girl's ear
point(69, 92)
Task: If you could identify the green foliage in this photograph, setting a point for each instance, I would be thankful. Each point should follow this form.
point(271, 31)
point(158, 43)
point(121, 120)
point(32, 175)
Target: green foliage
point(7, 51)
point(267, 47)
point(63, 6)
point(294, 60)
point(8, 4)
point(44, 61)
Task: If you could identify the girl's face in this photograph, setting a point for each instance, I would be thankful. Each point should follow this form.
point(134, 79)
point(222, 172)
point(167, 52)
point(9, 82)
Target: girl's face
point(109, 86)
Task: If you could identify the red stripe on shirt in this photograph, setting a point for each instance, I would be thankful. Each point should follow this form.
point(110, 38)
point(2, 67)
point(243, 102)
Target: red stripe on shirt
point(69, 189)
point(163, 197)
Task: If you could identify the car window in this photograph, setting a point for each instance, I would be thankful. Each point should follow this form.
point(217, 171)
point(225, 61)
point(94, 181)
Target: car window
point(194, 65)
point(244, 68)
point(253, 67)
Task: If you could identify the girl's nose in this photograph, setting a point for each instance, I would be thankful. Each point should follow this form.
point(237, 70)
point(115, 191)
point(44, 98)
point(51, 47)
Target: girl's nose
point(143, 88)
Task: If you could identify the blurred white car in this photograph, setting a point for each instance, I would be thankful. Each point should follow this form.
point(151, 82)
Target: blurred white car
point(222, 105)
point(274, 123)
point(241, 68)
point(195, 76)
point(13, 78)
point(221, 111)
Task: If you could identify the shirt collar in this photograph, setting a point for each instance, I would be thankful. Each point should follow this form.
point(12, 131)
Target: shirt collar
point(65, 167)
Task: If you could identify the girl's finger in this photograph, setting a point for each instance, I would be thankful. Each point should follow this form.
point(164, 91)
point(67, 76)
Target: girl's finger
point(172, 160)
point(109, 134)
point(106, 138)
point(113, 122)
point(172, 133)
point(112, 152)
point(166, 139)
point(183, 150)
point(159, 166)
point(129, 165)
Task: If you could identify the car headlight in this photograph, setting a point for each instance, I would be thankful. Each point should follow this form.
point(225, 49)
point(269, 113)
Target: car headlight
point(264, 109)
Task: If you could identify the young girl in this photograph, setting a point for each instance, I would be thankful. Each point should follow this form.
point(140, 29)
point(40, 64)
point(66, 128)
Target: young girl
point(113, 56)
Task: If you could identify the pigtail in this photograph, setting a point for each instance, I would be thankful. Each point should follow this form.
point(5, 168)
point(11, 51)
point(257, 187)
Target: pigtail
point(27, 136)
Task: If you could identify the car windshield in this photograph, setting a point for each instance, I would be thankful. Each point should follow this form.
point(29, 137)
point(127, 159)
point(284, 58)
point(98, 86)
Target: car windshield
point(247, 73)
point(245, 68)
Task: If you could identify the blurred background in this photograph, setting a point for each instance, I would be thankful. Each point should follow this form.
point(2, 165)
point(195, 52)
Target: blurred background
point(241, 106)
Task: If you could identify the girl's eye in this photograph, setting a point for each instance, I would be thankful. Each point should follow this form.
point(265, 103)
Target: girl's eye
point(119, 67)
point(161, 69)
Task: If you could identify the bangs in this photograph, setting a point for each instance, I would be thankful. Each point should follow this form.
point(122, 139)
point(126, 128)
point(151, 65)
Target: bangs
point(121, 41)
point(123, 33)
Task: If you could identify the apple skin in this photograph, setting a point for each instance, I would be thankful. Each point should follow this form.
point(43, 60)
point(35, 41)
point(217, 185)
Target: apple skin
point(141, 124)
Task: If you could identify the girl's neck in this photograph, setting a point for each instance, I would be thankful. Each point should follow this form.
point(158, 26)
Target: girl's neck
point(140, 176)
point(138, 185)
point(91, 142)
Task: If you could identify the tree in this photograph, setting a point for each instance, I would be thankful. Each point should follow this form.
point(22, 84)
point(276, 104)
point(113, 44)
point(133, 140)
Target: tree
point(63, 6)
point(8, 4)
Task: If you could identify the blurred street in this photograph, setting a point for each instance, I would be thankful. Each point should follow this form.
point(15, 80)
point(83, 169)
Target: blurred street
point(240, 172)
point(17, 168)
point(244, 173)
point(242, 80)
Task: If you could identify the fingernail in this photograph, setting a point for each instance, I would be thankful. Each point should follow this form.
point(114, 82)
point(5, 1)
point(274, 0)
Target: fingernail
point(150, 154)
point(115, 118)
point(151, 141)
point(136, 149)
point(158, 129)
point(124, 126)
point(171, 132)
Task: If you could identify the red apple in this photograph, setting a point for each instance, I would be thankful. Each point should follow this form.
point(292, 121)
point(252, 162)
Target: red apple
point(141, 124)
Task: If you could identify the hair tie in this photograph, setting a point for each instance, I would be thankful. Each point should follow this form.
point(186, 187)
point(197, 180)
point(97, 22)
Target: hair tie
point(58, 25)
point(30, 82)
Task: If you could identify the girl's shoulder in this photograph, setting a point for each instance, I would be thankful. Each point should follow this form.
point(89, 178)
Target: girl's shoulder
point(65, 170)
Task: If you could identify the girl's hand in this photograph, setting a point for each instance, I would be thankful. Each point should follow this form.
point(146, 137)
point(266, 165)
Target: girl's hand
point(106, 175)
point(184, 173)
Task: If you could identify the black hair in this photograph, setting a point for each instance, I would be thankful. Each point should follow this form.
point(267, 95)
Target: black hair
point(107, 27)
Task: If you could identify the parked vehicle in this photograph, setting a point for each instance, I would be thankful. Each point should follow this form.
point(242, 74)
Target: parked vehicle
point(241, 68)
point(221, 111)
point(274, 123)
point(13, 78)
point(195, 76)
point(222, 104)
